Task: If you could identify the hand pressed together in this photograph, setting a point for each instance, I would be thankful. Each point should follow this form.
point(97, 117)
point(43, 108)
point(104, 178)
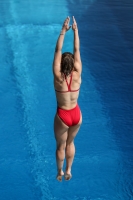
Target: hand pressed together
point(66, 27)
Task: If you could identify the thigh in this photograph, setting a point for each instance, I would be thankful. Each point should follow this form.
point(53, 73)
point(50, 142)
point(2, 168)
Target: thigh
point(73, 130)
point(60, 130)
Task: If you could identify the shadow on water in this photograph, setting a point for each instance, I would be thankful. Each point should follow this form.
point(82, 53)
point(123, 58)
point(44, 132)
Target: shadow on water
point(106, 37)
point(110, 62)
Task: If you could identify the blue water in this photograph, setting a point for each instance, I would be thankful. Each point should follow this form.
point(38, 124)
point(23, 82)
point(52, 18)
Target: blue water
point(103, 165)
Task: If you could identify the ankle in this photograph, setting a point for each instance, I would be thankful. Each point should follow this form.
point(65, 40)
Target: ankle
point(68, 170)
point(59, 170)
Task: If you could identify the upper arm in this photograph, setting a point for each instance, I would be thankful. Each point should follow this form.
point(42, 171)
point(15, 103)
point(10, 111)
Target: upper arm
point(57, 62)
point(77, 61)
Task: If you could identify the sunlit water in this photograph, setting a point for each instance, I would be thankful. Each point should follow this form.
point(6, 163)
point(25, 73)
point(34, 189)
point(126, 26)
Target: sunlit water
point(103, 165)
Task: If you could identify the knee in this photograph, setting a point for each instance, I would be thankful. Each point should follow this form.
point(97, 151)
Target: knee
point(69, 143)
point(61, 146)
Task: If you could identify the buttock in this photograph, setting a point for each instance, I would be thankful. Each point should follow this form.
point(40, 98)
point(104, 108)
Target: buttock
point(69, 117)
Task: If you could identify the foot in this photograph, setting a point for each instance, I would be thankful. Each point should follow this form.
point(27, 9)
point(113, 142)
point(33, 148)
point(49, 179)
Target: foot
point(68, 176)
point(59, 176)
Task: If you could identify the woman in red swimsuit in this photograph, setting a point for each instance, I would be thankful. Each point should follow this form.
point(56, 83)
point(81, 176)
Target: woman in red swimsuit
point(67, 69)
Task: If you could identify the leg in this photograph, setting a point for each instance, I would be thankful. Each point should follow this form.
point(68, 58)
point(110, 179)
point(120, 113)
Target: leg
point(61, 133)
point(70, 148)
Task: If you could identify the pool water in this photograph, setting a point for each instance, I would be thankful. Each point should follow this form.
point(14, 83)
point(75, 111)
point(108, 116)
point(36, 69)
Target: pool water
point(103, 165)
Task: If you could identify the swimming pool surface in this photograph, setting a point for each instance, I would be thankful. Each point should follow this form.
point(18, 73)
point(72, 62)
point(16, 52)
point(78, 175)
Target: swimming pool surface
point(103, 165)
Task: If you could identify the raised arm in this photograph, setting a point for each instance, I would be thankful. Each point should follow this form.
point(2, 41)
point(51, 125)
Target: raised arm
point(58, 48)
point(77, 59)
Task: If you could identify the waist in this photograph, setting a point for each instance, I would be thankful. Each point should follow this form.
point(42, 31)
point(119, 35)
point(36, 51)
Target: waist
point(67, 101)
point(67, 109)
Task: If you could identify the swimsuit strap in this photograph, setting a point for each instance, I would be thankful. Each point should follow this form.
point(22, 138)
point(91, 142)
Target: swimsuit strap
point(69, 84)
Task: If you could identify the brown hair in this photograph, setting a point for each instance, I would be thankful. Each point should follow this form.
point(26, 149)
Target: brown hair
point(67, 63)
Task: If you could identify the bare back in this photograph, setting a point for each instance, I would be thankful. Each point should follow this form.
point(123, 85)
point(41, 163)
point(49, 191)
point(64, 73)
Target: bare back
point(68, 99)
